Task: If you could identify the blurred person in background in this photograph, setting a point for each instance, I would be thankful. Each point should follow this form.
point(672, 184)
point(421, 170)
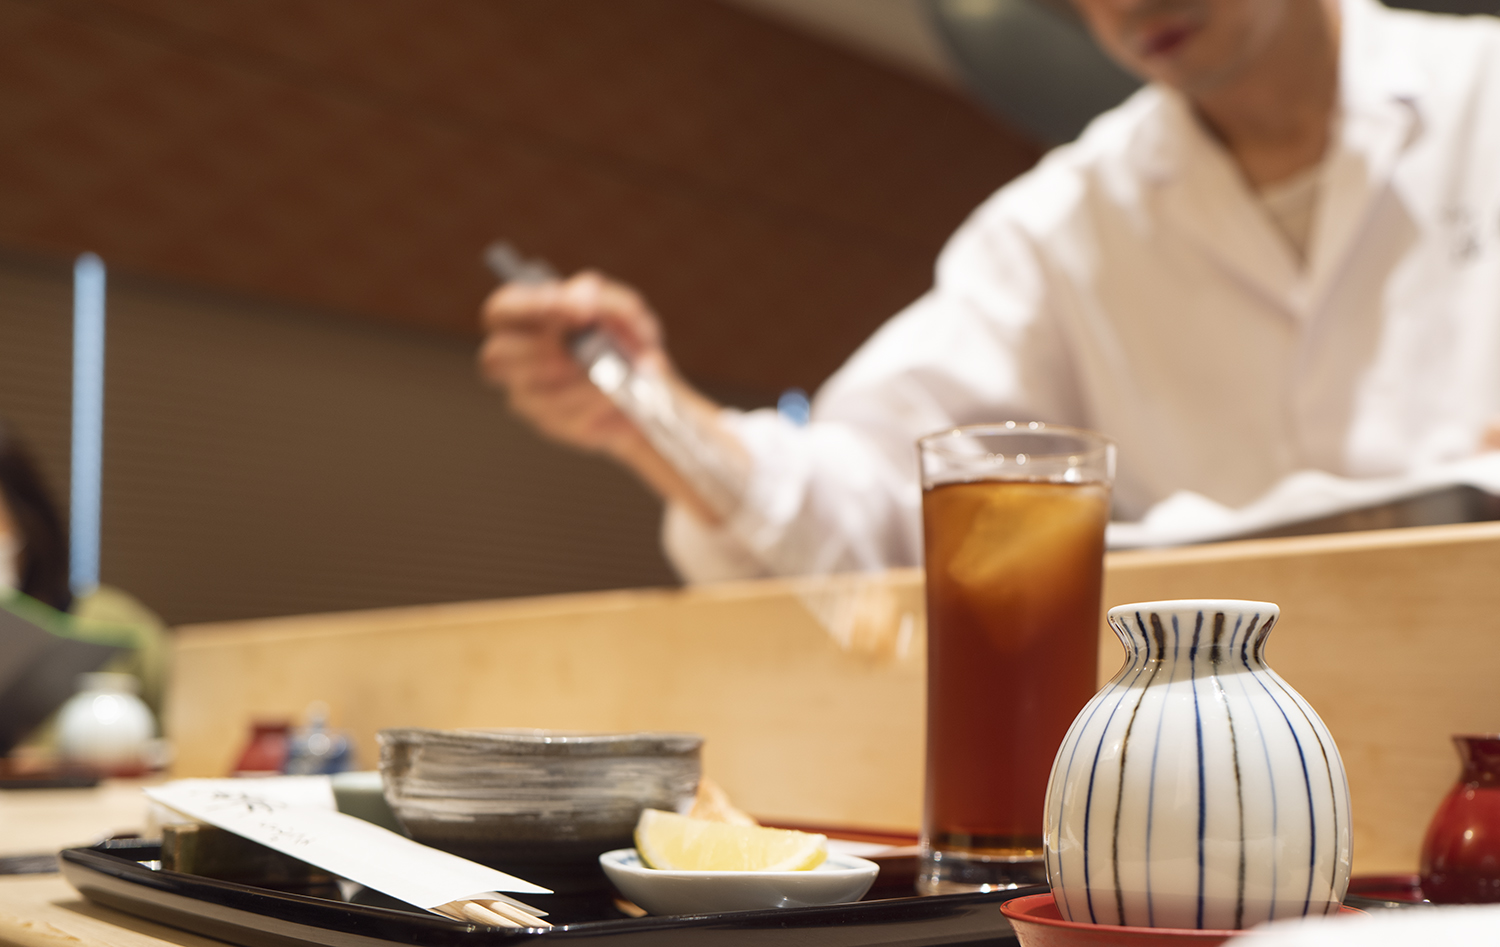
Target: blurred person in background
point(34, 563)
point(1282, 254)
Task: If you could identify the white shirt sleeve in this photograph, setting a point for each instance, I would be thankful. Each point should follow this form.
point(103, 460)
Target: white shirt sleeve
point(701, 553)
point(843, 493)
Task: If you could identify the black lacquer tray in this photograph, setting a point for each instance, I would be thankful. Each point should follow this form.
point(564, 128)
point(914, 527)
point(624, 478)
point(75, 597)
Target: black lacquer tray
point(121, 875)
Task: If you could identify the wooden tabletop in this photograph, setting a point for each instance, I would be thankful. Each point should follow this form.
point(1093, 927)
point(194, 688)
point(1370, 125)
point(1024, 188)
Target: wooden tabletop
point(44, 910)
point(46, 820)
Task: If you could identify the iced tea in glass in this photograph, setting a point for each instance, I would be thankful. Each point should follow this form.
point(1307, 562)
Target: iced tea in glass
point(1013, 519)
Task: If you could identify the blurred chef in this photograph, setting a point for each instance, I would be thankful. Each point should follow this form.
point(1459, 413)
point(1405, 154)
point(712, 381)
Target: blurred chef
point(1282, 254)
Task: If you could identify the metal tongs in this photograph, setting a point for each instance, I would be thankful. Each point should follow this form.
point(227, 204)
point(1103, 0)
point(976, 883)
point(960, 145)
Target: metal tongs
point(858, 610)
point(642, 394)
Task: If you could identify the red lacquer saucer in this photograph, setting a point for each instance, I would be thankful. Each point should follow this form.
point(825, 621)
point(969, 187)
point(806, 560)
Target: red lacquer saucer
point(1038, 923)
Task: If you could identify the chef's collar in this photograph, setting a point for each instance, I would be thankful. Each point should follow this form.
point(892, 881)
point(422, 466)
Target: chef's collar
point(1379, 84)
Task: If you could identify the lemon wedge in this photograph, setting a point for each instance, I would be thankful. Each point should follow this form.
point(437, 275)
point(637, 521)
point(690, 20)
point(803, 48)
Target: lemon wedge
point(677, 842)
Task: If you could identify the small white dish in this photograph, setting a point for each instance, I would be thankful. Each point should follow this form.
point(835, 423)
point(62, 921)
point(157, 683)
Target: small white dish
point(841, 878)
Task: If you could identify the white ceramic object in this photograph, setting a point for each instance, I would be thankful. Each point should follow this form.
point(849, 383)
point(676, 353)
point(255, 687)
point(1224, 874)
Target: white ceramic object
point(105, 724)
point(840, 879)
point(1197, 789)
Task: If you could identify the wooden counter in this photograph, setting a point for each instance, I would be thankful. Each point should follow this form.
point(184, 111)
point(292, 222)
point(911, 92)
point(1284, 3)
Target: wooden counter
point(44, 910)
point(45, 820)
point(1393, 636)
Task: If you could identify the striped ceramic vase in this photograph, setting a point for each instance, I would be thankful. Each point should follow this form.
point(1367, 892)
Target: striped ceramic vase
point(1197, 789)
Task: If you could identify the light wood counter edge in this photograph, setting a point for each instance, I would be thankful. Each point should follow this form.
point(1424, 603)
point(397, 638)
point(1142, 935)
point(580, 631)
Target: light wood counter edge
point(488, 612)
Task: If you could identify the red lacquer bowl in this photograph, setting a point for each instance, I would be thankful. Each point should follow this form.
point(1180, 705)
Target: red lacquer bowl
point(1038, 923)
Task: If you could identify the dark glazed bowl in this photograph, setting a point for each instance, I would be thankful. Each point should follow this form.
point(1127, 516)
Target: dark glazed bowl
point(540, 804)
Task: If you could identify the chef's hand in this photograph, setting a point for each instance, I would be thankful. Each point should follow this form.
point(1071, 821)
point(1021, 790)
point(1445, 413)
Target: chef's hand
point(525, 352)
point(1490, 439)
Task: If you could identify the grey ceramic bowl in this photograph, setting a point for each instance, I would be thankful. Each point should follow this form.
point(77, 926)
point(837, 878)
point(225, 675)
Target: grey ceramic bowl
point(540, 804)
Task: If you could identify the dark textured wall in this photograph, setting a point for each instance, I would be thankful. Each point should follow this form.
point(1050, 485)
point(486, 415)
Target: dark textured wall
point(758, 185)
point(264, 460)
point(292, 195)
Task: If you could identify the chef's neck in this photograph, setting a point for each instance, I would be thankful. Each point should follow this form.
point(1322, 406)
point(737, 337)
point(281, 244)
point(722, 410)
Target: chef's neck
point(1276, 116)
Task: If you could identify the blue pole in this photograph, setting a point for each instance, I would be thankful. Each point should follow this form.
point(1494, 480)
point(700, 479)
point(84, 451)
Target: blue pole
point(88, 421)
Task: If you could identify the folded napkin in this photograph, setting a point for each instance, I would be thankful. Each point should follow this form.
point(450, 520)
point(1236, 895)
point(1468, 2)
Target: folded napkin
point(294, 816)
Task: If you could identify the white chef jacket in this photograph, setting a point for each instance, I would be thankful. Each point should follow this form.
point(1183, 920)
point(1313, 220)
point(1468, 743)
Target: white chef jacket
point(1132, 284)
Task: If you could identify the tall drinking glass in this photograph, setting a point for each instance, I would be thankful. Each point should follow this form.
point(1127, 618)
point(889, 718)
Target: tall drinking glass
point(1013, 517)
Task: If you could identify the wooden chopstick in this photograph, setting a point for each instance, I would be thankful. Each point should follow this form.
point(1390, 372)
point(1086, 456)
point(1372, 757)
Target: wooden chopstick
point(507, 899)
point(514, 913)
point(492, 913)
point(480, 914)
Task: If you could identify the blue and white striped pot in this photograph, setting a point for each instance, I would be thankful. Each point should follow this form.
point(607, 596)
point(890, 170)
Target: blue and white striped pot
point(1197, 789)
